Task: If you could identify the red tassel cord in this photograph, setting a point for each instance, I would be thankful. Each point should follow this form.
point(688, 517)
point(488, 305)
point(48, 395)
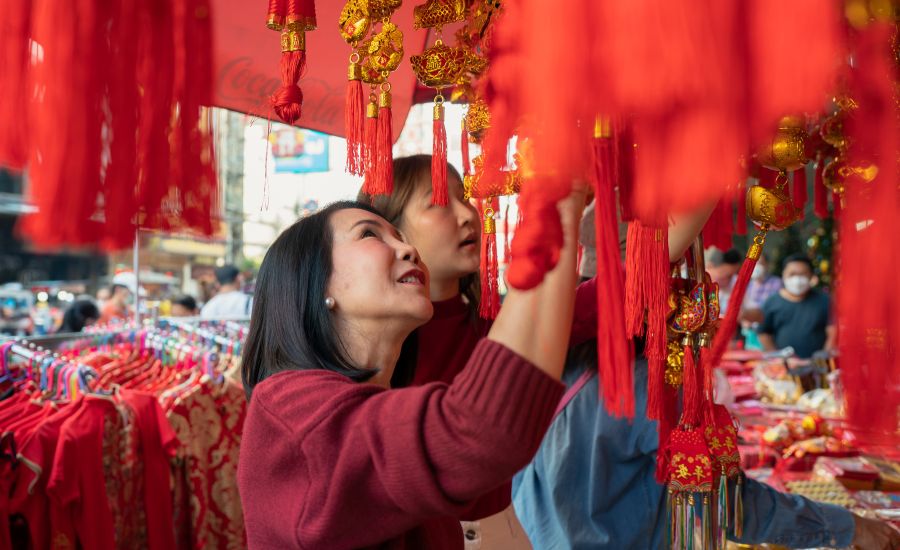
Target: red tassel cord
point(614, 349)
point(820, 192)
point(506, 235)
point(799, 191)
point(439, 156)
point(288, 99)
point(740, 220)
point(729, 324)
point(15, 31)
point(489, 306)
point(384, 142)
point(369, 148)
point(464, 149)
point(354, 117)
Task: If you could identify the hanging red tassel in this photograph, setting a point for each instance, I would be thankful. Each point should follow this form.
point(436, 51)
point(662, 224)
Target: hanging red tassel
point(506, 236)
point(740, 222)
point(820, 192)
point(614, 349)
point(370, 145)
point(384, 142)
point(489, 306)
point(693, 387)
point(439, 155)
point(15, 31)
point(354, 117)
point(288, 99)
point(625, 171)
point(799, 194)
point(729, 323)
point(836, 206)
point(464, 149)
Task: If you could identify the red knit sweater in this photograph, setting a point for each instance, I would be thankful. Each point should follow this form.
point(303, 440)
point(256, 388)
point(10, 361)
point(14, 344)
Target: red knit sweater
point(329, 463)
point(446, 342)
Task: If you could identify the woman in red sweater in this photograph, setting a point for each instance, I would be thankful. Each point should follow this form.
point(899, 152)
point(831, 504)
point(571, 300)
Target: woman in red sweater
point(331, 457)
point(449, 242)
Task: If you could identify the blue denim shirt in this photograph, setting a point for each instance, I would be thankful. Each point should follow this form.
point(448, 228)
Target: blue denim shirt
point(592, 485)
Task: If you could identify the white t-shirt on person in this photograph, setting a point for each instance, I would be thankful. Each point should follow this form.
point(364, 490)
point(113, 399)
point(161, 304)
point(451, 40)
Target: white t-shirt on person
point(227, 304)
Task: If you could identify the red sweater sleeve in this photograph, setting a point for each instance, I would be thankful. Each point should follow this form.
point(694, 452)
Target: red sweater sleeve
point(328, 463)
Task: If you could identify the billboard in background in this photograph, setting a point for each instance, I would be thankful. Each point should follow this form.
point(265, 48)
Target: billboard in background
point(299, 151)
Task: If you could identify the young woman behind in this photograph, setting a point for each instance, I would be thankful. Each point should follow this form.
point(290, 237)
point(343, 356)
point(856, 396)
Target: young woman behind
point(331, 456)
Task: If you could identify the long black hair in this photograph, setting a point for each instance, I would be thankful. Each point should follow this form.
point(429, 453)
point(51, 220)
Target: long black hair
point(290, 326)
point(78, 315)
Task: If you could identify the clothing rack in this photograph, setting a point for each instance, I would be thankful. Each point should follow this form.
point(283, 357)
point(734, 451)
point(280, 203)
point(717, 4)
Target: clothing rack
point(188, 327)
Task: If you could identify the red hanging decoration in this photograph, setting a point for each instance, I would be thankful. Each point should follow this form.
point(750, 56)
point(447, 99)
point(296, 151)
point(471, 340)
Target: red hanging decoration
point(614, 349)
point(799, 190)
point(464, 149)
point(489, 305)
point(370, 147)
point(439, 155)
point(384, 143)
point(300, 17)
point(867, 298)
point(15, 31)
point(836, 206)
point(820, 192)
point(354, 117)
point(740, 221)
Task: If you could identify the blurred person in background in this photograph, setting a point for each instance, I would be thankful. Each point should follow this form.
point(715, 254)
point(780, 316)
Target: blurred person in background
point(185, 306)
point(230, 301)
point(798, 315)
point(121, 300)
point(763, 285)
point(722, 268)
point(81, 313)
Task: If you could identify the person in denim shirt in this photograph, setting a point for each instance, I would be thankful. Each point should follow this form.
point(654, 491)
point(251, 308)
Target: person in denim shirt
point(592, 485)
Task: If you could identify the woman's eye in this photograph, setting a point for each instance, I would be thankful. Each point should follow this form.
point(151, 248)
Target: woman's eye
point(368, 233)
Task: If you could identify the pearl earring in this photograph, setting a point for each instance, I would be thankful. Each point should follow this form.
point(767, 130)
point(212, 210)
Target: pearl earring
point(329, 302)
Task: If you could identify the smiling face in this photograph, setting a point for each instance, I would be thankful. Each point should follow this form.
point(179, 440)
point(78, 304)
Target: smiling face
point(447, 237)
point(376, 275)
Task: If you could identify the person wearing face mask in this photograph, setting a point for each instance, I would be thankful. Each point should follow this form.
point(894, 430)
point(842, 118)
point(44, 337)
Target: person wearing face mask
point(799, 315)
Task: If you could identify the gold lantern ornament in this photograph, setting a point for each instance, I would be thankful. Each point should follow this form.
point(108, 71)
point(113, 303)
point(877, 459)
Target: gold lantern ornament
point(787, 149)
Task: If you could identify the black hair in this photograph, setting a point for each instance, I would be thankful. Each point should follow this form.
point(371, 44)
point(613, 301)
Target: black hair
point(114, 287)
point(731, 257)
point(798, 257)
point(186, 301)
point(227, 274)
point(290, 326)
point(77, 316)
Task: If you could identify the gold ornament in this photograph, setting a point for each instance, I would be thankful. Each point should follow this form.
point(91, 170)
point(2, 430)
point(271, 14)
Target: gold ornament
point(434, 14)
point(439, 66)
point(478, 119)
point(385, 49)
point(838, 171)
point(674, 363)
point(787, 150)
point(771, 208)
point(510, 183)
point(354, 21)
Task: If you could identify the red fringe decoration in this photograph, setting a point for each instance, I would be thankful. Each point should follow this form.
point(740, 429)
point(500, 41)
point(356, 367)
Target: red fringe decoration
point(506, 237)
point(15, 30)
point(800, 191)
point(740, 222)
point(354, 126)
point(370, 148)
point(439, 159)
point(693, 389)
point(867, 296)
point(820, 192)
point(614, 350)
point(489, 306)
point(464, 149)
point(625, 171)
point(288, 99)
point(718, 230)
point(384, 142)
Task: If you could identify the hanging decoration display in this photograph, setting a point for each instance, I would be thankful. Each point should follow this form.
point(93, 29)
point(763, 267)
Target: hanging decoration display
point(293, 19)
point(109, 113)
point(440, 66)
